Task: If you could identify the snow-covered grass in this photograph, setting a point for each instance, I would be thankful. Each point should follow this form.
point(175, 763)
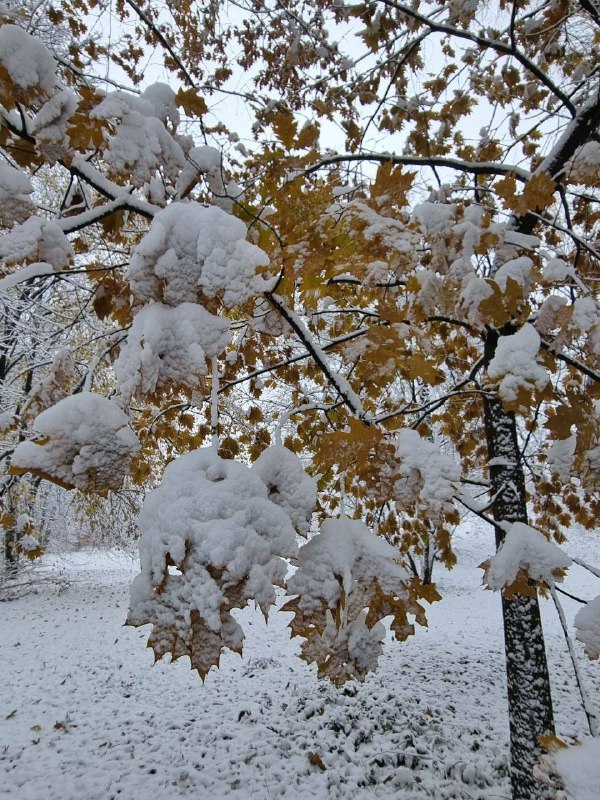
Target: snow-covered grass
point(84, 715)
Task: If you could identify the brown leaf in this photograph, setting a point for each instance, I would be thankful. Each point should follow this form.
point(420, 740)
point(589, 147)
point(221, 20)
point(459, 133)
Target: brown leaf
point(191, 102)
point(316, 760)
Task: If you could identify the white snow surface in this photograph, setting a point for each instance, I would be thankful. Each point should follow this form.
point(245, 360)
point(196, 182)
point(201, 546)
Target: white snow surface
point(587, 623)
point(474, 290)
point(192, 250)
point(579, 767)
point(524, 548)
point(515, 366)
point(86, 442)
point(15, 203)
point(163, 100)
point(205, 161)
point(141, 144)
point(169, 346)
point(28, 543)
point(37, 270)
point(424, 473)
point(343, 552)
point(288, 484)
point(28, 61)
point(560, 455)
point(519, 269)
point(434, 218)
point(209, 514)
point(36, 239)
point(586, 318)
point(547, 316)
point(50, 124)
point(85, 715)
point(556, 269)
point(583, 167)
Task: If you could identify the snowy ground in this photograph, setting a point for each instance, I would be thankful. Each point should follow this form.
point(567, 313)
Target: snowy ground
point(84, 715)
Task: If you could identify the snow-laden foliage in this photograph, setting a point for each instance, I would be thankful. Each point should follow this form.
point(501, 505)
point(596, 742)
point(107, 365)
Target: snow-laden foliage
point(28, 64)
point(587, 624)
point(583, 167)
point(526, 553)
point(192, 253)
point(86, 442)
point(289, 485)
point(140, 143)
point(168, 346)
point(47, 390)
point(50, 125)
point(516, 368)
point(424, 475)
point(433, 289)
point(206, 161)
point(212, 520)
point(348, 579)
point(15, 201)
point(36, 239)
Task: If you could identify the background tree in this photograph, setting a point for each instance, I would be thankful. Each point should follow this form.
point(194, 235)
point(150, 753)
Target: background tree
point(328, 288)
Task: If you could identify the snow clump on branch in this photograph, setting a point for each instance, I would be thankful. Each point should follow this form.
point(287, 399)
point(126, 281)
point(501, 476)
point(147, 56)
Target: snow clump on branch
point(169, 346)
point(51, 123)
point(30, 66)
point(423, 473)
point(525, 549)
point(515, 365)
point(140, 143)
point(347, 581)
point(193, 253)
point(86, 443)
point(212, 520)
point(15, 203)
point(587, 624)
point(288, 484)
point(36, 239)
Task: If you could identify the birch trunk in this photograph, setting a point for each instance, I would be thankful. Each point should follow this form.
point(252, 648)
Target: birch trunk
point(528, 681)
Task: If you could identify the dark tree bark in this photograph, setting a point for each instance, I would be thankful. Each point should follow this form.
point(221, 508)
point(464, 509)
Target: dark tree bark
point(528, 680)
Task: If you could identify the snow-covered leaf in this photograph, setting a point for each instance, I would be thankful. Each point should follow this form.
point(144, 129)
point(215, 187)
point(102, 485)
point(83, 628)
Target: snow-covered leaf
point(347, 581)
point(86, 443)
point(212, 521)
point(524, 552)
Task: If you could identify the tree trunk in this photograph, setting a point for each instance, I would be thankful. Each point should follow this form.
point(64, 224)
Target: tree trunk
point(10, 556)
point(528, 681)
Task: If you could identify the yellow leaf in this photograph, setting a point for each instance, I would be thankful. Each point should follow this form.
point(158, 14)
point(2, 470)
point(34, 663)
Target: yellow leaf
point(191, 102)
point(285, 127)
point(316, 760)
point(492, 308)
point(393, 183)
point(348, 448)
point(539, 191)
point(308, 136)
point(425, 591)
point(417, 366)
point(551, 743)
